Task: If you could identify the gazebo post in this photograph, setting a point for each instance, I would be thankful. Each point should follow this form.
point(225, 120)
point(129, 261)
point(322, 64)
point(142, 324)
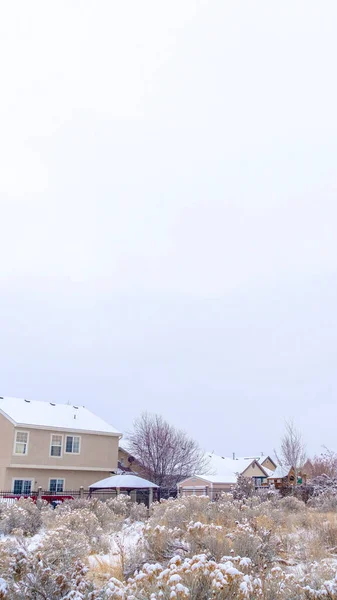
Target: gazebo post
point(150, 497)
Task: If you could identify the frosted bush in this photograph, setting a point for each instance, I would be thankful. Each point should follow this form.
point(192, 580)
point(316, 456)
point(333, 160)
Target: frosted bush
point(292, 504)
point(324, 502)
point(179, 512)
point(24, 516)
point(62, 546)
point(209, 538)
point(40, 581)
point(138, 512)
point(84, 523)
point(120, 505)
point(162, 542)
point(107, 518)
point(249, 548)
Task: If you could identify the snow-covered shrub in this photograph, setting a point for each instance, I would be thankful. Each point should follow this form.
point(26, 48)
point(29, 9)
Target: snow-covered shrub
point(62, 546)
point(138, 512)
point(13, 557)
point(23, 516)
point(85, 523)
point(179, 512)
point(195, 577)
point(162, 542)
point(325, 502)
point(208, 538)
point(323, 493)
point(106, 517)
point(120, 505)
point(292, 504)
point(244, 488)
point(41, 581)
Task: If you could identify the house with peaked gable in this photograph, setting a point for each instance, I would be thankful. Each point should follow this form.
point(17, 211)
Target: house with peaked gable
point(286, 476)
point(223, 473)
point(54, 446)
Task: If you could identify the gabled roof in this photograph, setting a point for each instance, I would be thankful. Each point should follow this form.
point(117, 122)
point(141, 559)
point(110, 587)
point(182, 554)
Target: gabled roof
point(262, 459)
point(281, 472)
point(224, 470)
point(48, 415)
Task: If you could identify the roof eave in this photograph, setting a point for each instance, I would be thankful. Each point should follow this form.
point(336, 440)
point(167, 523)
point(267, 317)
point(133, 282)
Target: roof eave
point(67, 429)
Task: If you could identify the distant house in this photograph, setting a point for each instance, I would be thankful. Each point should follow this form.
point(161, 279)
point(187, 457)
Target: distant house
point(285, 477)
point(224, 472)
point(127, 463)
point(54, 446)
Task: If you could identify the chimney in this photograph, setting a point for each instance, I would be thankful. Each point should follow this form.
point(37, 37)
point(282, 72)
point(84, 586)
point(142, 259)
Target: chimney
point(233, 455)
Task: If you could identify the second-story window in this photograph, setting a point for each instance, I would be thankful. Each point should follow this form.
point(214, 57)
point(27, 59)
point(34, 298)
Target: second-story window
point(21, 442)
point(56, 445)
point(73, 444)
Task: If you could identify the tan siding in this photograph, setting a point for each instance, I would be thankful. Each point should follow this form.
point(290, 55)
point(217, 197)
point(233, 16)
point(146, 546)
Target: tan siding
point(268, 464)
point(253, 471)
point(222, 486)
point(95, 451)
point(6, 446)
point(73, 479)
point(123, 457)
point(195, 481)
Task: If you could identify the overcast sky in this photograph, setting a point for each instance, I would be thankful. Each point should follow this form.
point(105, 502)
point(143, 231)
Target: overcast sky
point(168, 192)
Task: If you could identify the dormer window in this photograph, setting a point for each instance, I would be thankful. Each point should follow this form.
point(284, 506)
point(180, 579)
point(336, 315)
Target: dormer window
point(21, 442)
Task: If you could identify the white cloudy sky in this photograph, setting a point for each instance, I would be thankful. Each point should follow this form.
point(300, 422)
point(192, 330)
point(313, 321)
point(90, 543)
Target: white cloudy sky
point(168, 213)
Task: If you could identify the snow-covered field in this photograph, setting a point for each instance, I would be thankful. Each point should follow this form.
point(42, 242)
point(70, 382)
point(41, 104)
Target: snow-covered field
point(255, 548)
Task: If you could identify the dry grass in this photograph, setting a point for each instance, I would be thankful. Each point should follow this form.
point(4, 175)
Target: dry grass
point(102, 569)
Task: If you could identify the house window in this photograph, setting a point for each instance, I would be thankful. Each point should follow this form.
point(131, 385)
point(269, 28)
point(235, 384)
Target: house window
point(73, 444)
point(21, 442)
point(22, 486)
point(56, 485)
point(56, 445)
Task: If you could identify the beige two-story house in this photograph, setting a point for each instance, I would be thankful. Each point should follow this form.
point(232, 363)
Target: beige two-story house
point(56, 447)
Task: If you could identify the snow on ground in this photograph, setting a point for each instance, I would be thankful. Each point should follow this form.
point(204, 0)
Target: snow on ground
point(122, 544)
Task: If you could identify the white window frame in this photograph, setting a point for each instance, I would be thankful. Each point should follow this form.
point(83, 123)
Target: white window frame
point(57, 479)
point(15, 442)
point(79, 444)
point(23, 479)
point(51, 444)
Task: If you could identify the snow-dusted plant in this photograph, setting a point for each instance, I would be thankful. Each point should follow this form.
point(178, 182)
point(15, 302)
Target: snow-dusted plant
point(244, 488)
point(291, 504)
point(23, 516)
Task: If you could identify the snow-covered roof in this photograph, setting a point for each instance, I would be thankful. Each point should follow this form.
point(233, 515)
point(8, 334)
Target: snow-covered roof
point(280, 472)
point(269, 472)
point(123, 481)
point(224, 470)
point(32, 413)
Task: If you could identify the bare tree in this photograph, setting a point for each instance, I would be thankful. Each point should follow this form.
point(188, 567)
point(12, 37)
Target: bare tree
point(167, 454)
point(324, 464)
point(292, 450)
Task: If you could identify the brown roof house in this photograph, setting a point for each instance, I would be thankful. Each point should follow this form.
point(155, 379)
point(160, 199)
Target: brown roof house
point(54, 446)
point(286, 476)
point(223, 473)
